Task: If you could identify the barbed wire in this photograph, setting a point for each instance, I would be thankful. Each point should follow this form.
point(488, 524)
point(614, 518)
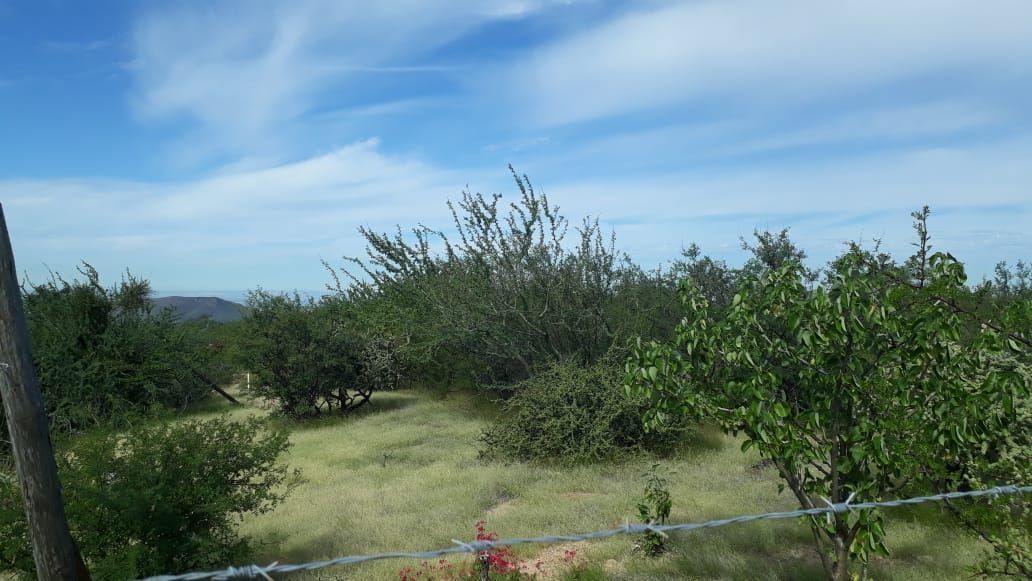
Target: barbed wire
point(254, 571)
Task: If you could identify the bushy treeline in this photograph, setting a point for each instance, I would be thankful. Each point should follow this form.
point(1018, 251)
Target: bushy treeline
point(514, 289)
point(505, 295)
point(104, 356)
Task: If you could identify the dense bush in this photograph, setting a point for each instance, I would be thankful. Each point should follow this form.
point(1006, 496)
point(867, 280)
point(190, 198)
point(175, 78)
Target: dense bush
point(508, 293)
point(158, 499)
point(1004, 523)
point(570, 414)
point(311, 357)
point(218, 352)
point(103, 356)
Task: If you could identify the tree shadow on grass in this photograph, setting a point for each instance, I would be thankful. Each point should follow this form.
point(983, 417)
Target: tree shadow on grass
point(379, 403)
point(701, 440)
point(752, 551)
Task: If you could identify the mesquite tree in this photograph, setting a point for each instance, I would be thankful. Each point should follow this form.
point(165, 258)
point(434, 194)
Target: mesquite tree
point(507, 290)
point(309, 357)
point(859, 387)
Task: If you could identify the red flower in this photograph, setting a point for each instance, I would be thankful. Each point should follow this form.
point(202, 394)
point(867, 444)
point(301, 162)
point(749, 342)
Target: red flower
point(501, 561)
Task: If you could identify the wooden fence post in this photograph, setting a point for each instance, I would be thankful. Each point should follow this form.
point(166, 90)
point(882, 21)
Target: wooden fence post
point(54, 551)
point(485, 566)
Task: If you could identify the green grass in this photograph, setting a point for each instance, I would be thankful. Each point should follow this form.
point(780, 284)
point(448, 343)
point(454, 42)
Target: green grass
point(403, 474)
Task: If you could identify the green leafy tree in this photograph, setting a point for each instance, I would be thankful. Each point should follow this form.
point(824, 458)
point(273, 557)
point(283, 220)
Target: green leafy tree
point(714, 278)
point(857, 388)
point(218, 348)
point(1005, 523)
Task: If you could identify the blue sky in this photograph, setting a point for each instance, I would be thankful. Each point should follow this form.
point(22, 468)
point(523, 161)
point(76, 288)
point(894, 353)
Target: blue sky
point(227, 145)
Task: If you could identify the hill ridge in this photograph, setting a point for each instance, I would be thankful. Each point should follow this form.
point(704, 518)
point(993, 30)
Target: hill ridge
point(193, 308)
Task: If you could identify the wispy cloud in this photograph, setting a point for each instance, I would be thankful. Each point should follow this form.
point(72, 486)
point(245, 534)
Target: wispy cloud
point(272, 225)
point(674, 121)
point(377, 109)
point(768, 53)
point(241, 70)
point(882, 126)
point(868, 196)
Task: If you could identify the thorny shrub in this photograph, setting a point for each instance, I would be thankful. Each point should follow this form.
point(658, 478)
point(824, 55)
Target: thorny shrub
point(574, 415)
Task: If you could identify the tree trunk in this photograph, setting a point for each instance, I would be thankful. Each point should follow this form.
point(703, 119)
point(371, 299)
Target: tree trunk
point(54, 551)
point(841, 561)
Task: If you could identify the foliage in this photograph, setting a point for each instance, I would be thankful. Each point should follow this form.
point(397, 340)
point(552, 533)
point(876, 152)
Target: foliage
point(514, 291)
point(219, 348)
point(1011, 284)
point(160, 498)
point(654, 508)
point(569, 414)
point(773, 251)
point(508, 293)
point(310, 357)
point(714, 278)
point(103, 356)
point(1004, 523)
point(855, 388)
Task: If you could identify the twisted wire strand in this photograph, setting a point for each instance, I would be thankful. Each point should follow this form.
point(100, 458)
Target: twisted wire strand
point(254, 571)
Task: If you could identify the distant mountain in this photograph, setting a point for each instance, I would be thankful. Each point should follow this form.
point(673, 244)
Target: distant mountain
point(191, 308)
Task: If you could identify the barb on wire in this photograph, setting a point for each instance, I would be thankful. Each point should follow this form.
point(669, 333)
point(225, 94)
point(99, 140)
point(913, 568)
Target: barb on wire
point(252, 571)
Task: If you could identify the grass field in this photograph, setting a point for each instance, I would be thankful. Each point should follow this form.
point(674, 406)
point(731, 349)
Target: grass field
point(404, 475)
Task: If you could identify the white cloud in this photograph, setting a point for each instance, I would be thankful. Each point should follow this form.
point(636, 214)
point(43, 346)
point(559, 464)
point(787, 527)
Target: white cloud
point(977, 189)
point(882, 125)
point(242, 226)
point(272, 225)
point(962, 176)
point(242, 70)
point(768, 52)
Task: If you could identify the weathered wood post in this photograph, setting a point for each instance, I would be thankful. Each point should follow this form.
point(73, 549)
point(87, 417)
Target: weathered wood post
point(485, 566)
point(55, 553)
